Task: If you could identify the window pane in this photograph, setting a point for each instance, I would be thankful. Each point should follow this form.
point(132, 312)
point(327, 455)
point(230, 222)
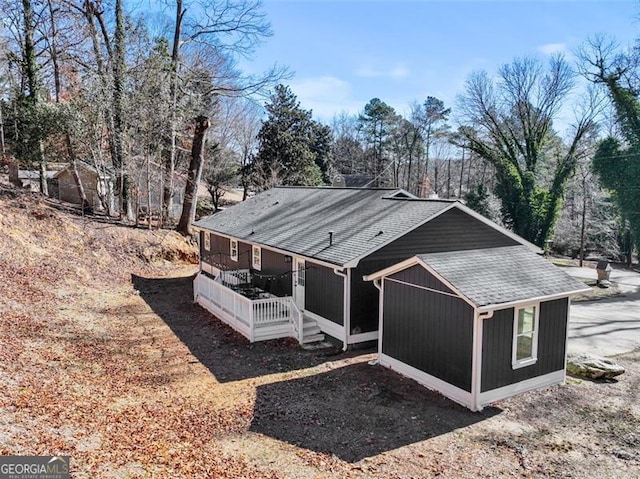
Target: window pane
point(526, 319)
point(524, 346)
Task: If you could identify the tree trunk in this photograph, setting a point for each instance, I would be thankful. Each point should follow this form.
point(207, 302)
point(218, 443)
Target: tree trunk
point(449, 177)
point(44, 187)
point(584, 217)
point(118, 114)
point(461, 175)
point(3, 149)
point(149, 191)
point(193, 178)
point(170, 165)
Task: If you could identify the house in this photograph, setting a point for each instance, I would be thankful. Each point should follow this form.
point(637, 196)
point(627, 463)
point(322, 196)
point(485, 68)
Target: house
point(477, 325)
point(98, 186)
point(354, 180)
point(424, 277)
point(30, 179)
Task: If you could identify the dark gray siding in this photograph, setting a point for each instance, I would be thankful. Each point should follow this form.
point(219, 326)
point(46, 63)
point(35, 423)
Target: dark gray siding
point(451, 231)
point(275, 274)
point(219, 254)
point(365, 302)
point(324, 293)
point(430, 331)
point(420, 276)
point(497, 344)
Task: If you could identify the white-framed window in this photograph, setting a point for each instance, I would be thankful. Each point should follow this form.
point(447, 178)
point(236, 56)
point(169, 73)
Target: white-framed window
point(233, 250)
point(207, 241)
point(301, 272)
point(256, 258)
point(525, 336)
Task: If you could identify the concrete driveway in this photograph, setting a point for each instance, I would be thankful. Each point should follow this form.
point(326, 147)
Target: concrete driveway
point(607, 326)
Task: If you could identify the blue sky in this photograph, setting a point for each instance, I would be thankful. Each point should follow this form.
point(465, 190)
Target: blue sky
point(344, 53)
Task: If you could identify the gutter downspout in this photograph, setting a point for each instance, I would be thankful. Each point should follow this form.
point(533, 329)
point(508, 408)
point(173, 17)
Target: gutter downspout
point(476, 368)
point(346, 303)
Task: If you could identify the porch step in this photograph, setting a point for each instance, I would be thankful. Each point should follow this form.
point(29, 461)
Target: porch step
point(311, 333)
point(312, 339)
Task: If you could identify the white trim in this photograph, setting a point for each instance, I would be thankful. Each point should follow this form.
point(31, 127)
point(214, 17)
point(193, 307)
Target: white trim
point(423, 287)
point(345, 303)
point(431, 382)
point(299, 291)
point(256, 257)
point(207, 268)
point(417, 261)
point(566, 336)
point(362, 337)
point(347, 307)
point(476, 361)
point(276, 250)
point(231, 249)
point(551, 379)
point(379, 284)
point(401, 191)
point(394, 268)
point(531, 360)
point(326, 325)
point(539, 299)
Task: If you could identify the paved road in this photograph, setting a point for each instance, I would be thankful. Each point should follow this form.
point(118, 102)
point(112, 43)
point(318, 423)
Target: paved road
point(609, 326)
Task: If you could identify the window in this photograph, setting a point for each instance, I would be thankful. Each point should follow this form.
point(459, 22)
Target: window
point(301, 273)
point(233, 250)
point(525, 336)
point(256, 258)
point(207, 241)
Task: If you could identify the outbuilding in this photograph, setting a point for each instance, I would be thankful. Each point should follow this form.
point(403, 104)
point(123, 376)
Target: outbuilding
point(477, 325)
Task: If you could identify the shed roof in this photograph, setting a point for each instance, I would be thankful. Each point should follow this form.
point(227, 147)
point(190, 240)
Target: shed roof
point(501, 275)
point(299, 219)
point(34, 174)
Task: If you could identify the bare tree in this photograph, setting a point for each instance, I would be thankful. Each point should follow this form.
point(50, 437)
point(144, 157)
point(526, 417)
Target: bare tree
point(194, 173)
point(512, 122)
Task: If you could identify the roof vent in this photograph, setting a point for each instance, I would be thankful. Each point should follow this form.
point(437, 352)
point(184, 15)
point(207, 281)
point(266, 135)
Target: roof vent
point(330, 238)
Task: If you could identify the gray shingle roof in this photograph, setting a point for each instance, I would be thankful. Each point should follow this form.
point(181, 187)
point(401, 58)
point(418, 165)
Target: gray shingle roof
point(299, 220)
point(501, 275)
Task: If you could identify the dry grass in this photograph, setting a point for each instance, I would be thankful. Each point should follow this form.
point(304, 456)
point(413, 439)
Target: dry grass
point(104, 357)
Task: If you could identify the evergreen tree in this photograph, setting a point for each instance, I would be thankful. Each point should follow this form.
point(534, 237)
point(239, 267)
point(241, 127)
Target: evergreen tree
point(377, 123)
point(293, 148)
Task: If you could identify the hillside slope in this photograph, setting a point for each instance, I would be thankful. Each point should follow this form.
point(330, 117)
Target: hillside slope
point(104, 357)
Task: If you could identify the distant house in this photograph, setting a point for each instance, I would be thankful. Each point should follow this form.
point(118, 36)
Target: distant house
point(352, 180)
point(364, 264)
point(30, 179)
point(98, 186)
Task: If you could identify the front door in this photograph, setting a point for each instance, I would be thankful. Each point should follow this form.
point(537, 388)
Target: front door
point(298, 283)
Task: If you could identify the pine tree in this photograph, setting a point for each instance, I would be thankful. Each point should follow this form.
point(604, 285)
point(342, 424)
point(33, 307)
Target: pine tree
point(291, 144)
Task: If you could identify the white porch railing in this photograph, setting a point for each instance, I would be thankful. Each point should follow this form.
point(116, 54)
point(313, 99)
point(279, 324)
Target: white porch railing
point(257, 320)
point(237, 276)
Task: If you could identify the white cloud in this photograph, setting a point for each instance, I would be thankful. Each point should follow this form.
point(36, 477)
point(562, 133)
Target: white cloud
point(326, 96)
point(397, 71)
point(551, 48)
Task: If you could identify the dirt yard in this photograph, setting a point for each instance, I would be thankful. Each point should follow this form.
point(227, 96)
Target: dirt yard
point(105, 358)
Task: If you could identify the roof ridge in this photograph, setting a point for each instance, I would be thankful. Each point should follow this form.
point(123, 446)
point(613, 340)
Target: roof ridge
point(327, 187)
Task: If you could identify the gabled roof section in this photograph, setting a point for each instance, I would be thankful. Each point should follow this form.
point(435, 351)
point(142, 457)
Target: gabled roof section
point(299, 219)
point(492, 277)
